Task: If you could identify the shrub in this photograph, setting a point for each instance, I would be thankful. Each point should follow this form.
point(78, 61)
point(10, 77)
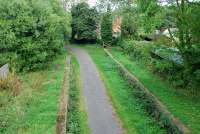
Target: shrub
point(195, 81)
point(137, 50)
point(163, 67)
point(33, 32)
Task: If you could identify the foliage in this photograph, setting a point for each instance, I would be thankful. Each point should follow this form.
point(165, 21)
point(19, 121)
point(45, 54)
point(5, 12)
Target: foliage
point(32, 32)
point(149, 101)
point(103, 5)
point(77, 117)
point(186, 19)
point(151, 15)
point(133, 116)
point(184, 16)
point(163, 61)
point(164, 67)
point(106, 28)
point(179, 101)
point(34, 109)
point(84, 22)
point(137, 50)
point(129, 22)
point(167, 53)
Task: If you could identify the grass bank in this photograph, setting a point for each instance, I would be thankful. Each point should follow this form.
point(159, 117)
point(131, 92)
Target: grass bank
point(182, 105)
point(77, 117)
point(133, 117)
point(34, 110)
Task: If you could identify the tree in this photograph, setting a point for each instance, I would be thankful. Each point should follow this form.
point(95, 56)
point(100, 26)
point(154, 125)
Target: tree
point(68, 4)
point(32, 32)
point(129, 22)
point(150, 15)
point(186, 18)
point(84, 22)
point(106, 28)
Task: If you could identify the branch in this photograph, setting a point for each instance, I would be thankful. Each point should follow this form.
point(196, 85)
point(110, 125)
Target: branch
point(172, 37)
point(178, 5)
point(175, 42)
point(193, 2)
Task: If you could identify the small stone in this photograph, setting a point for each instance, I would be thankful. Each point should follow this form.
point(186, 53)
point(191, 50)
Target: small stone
point(4, 71)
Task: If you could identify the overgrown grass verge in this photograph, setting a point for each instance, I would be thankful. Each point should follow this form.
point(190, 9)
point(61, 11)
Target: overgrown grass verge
point(11, 83)
point(34, 110)
point(133, 117)
point(151, 103)
point(185, 107)
point(77, 117)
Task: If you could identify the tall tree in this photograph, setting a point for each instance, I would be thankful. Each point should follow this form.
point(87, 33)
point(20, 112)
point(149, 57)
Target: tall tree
point(32, 32)
point(106, 28)
point(187, 19)
point(84, 22)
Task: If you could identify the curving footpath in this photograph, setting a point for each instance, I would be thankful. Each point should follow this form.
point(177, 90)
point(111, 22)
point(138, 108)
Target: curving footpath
point(101, 119)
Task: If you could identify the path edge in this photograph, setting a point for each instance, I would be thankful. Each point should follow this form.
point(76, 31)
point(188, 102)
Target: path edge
point(61, 122)
point(158, 110)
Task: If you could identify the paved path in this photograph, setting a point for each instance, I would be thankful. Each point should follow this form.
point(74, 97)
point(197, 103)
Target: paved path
point(100, 113)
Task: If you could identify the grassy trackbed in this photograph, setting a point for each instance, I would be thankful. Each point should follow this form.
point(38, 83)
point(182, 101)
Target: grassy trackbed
point(34, 110)
point(185, 107)
point(133, 117)
point(77, 117)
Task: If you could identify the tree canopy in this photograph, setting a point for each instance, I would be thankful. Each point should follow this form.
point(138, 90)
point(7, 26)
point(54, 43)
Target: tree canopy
point(32, 32)
point(84, 22)
point(106, 28)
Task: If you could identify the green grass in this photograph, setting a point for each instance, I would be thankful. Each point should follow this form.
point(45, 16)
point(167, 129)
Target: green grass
point(77, 117)
point(34, 110)
point(133, 117)
point(183, 106)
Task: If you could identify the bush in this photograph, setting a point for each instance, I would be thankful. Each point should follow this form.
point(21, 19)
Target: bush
point(138, 50)
point(32, 32)
point(163, 67)
point(195, 81)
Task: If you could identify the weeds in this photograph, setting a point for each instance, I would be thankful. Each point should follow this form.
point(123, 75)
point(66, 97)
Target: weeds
point(133, 116)
point(77, 117)
point(11, 83)
point(34, 109)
